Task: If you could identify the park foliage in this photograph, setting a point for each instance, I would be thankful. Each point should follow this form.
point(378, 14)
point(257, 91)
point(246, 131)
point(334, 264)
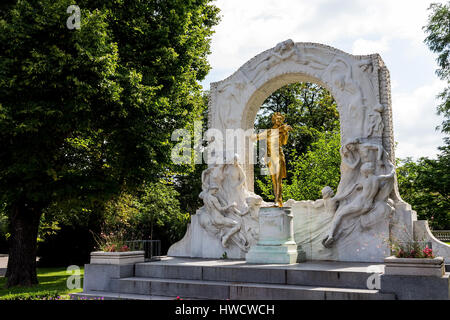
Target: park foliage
point(86, 118)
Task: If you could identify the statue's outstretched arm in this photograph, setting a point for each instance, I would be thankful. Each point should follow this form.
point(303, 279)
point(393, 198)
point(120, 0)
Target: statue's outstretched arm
point(318, 203)
point(389, 175)
point(345, 195)
point(214, 202)
point(241, 213)
point(259, 136)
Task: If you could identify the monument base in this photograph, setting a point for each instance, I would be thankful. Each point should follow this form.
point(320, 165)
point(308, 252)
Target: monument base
point(193, 278)
point(283, 254)
point(276, 238)
point(361, 239)
point(198, 243)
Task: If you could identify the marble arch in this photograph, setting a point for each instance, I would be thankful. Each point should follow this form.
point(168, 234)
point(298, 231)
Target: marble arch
point(360, 85)
point(361, 88)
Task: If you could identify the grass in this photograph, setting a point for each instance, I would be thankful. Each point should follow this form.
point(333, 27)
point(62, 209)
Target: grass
point(52, 285)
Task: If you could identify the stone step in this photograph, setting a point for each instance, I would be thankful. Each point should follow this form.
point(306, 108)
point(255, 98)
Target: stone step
point(222, 290)
point(354, 276)
point(103, 295)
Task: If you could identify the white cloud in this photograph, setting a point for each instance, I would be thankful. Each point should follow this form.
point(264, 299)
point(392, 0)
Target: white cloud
point(363, 46)
point(391, 28)
point(415, 120)
point(251, 26)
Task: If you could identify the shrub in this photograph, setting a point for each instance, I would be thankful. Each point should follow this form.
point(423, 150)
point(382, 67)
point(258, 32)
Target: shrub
point(412, 249)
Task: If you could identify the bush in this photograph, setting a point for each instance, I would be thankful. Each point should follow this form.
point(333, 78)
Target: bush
point(71, 245)
point(45, 295)
point(413, 249)
point(152, 213)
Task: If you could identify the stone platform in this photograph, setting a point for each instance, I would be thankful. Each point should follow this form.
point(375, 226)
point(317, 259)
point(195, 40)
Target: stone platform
point(191, 278)
point(232, 279)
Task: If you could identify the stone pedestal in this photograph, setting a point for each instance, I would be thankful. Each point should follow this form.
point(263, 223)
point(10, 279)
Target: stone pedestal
point(414, 266)
point(276, 238)
point(118, 258)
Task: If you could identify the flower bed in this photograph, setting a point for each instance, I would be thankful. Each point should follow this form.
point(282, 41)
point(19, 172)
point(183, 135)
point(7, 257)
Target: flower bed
point(117, 258)
point(413, 249)
point(414, 258)
point(414, 266)
point(112, 242)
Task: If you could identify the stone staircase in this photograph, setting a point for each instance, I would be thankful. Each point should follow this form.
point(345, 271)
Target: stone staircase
point(237, 280)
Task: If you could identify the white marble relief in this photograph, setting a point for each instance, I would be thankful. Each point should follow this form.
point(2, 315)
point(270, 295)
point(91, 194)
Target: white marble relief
point(353, 225)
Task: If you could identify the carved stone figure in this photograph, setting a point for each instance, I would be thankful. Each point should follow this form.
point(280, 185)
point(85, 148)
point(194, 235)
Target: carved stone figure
point(383, 207)
point(327, 201)
point(214, 218)
point(276, 138)
point(353, 154)
point(350, 155)
point(367, 188)
point(229, 100)
point(213, 176)
point(282, 51)
point(249, 219)
point(230, 211)
point(366, 65)
point(367, 209)
point(375, 124)
point(340, 73)
point(234, 184)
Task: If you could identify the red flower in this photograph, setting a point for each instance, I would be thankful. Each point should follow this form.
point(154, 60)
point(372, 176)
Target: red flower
point(428, 252)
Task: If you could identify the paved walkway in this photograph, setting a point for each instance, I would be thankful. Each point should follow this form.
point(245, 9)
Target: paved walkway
point(308, 265)
point(3, 265)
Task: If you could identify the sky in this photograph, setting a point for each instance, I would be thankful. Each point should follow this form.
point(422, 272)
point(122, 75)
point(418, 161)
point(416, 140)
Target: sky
point(390, 28)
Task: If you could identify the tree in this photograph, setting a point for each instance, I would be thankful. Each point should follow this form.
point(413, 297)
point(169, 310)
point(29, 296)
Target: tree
point(159, 215)
point(85, 113)
point(438, 40)
point(188, 184)
point(311, 111)
point(315, 169)
point(152, 212)
point(425, 184)
point(307, 107)
point(311, 171)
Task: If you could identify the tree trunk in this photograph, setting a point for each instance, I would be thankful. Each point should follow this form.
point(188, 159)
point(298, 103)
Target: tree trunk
point(24, 224)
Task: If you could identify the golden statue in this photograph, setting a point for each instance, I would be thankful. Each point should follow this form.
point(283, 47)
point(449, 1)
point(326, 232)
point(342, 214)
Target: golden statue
point(276, 138)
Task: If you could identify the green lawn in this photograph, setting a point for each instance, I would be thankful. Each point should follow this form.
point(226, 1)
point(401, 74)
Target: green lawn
point(52, 285)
